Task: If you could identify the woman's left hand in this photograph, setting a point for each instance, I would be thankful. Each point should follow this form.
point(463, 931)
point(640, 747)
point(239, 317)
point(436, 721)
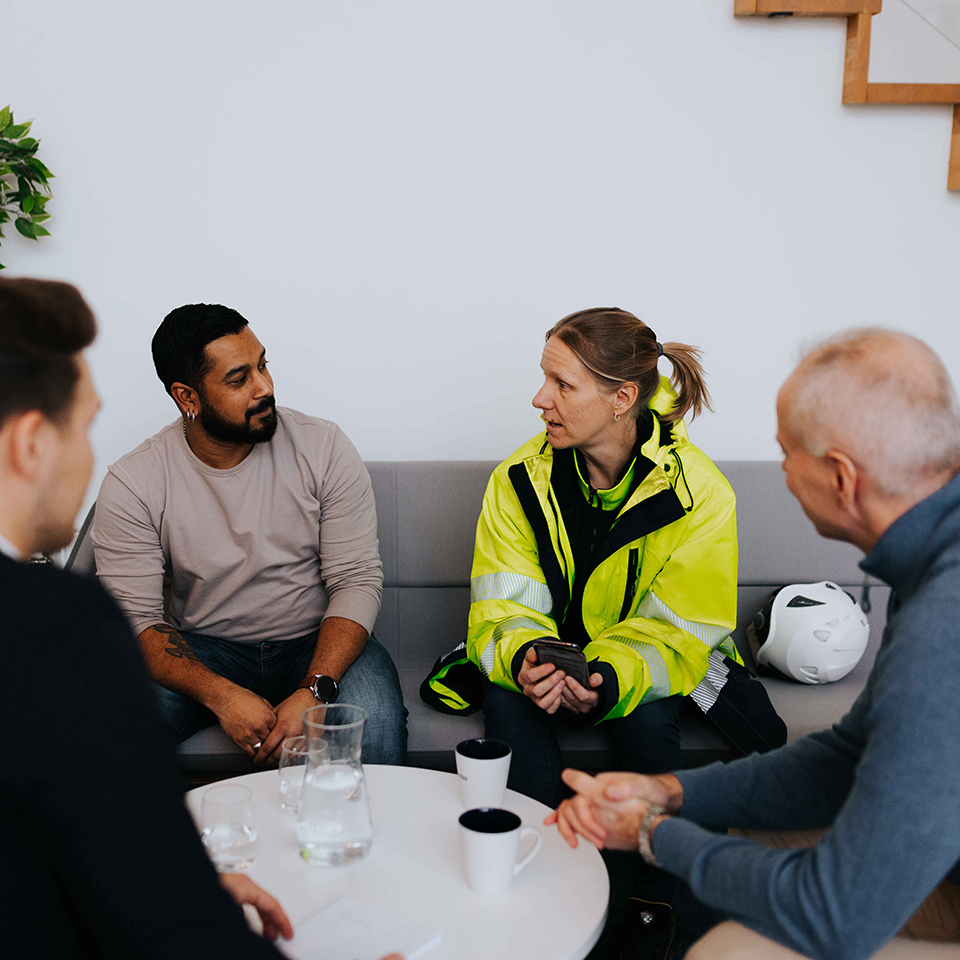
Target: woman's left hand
point(576, 699)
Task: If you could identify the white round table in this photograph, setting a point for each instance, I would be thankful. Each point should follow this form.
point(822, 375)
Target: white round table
point(554, 910)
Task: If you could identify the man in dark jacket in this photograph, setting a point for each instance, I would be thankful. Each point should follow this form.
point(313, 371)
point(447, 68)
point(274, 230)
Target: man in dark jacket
point(99, 855)
point(870, 430)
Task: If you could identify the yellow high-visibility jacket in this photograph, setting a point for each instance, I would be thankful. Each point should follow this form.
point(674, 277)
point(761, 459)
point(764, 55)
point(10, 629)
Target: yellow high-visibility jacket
point(657, 609)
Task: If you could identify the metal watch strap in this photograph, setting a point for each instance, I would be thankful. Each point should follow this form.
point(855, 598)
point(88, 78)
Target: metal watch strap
point(643, 834)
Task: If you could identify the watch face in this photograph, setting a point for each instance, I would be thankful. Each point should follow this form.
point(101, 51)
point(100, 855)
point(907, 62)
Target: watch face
point(326, 689)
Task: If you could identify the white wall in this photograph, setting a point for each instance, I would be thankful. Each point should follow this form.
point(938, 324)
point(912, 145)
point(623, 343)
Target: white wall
point(402, 197)
point(916, 42)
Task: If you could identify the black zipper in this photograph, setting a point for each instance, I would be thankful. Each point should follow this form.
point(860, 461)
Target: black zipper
point(559, 547)
point(631, 588)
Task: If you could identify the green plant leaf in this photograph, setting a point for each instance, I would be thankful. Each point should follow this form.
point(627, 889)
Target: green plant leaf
point(26, 228)
point(23, 191)
point(42, 172)
point(15, 154)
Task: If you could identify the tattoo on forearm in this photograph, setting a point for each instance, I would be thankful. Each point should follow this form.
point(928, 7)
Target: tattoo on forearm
point(179, 648)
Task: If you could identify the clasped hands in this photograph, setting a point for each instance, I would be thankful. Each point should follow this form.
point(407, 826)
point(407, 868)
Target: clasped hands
point(607, 809)
point(550, 688)
point(256, 726)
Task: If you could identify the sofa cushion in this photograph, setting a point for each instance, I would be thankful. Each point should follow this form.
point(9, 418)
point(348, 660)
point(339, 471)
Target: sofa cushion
point(427, 513)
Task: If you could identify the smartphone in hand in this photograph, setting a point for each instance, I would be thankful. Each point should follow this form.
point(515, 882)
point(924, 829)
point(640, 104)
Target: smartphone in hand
point(567, 657)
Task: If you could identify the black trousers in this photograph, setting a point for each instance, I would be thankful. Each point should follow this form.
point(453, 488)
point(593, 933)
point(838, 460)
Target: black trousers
point(645, 741)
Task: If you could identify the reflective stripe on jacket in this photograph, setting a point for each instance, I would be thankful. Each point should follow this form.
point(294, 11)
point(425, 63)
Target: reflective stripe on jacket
point(660, 600)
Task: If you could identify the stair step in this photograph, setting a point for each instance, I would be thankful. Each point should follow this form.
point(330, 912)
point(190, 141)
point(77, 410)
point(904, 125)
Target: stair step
point(805, 8)
point(913, 93)
point(856, 88)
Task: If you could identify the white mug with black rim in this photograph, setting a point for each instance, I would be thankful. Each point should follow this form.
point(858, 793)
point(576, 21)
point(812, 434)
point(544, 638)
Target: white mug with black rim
point(490, 840)
point(483, 766)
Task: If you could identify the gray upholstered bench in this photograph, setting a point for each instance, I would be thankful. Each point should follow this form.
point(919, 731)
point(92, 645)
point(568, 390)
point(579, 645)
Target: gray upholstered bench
point(427, 513)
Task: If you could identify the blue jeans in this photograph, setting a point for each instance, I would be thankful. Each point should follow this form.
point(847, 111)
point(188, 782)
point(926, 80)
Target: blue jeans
point(645, 741)
point(273, 669)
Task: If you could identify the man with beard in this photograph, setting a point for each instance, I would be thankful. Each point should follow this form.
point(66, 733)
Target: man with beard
point(263, 520)
point(76, 822)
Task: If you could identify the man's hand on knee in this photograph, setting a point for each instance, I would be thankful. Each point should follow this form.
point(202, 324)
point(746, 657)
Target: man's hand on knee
point(246, 718)
point(289, 714)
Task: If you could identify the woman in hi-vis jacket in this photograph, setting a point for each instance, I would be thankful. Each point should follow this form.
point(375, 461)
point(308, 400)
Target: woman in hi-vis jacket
point(613, 532)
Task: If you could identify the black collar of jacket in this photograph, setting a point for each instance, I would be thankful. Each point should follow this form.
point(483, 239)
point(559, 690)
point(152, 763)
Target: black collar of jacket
point(637, 521)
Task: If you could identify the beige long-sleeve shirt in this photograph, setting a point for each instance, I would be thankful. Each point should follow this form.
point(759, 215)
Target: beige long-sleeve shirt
point(264, 550)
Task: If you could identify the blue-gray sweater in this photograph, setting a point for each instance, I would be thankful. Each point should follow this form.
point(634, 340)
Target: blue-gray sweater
point(885, 779)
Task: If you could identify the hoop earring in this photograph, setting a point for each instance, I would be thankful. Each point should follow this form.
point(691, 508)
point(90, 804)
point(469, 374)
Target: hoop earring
point(616, 417)
point(191, 416)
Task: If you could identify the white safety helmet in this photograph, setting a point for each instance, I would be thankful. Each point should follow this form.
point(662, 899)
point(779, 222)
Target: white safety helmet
point(813, 632)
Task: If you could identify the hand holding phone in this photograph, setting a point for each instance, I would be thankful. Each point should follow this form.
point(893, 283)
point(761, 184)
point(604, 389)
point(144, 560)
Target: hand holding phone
point(567, 657)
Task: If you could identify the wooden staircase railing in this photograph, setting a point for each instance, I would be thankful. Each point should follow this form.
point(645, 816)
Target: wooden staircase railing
point(856, 86)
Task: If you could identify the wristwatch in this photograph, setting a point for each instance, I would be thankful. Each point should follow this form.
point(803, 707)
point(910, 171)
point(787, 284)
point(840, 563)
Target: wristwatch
point(324, 688)
point(643, 834)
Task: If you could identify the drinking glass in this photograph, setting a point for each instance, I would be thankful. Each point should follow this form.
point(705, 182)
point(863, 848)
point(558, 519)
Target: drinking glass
point(293, 765)
point(228, 826)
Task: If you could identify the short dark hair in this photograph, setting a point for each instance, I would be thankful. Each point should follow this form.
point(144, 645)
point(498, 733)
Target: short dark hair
point(180, 344)
point(44, 324)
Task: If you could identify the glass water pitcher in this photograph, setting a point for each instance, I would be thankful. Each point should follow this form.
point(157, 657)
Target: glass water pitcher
point(333, 822)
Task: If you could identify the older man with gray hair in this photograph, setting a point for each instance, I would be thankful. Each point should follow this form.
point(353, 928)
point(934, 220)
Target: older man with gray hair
point(870, 431)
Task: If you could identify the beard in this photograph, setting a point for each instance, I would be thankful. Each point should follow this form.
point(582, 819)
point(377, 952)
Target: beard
point(228, 431)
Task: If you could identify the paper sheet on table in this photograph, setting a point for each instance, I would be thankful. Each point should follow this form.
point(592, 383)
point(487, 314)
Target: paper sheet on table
point(351, 930)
